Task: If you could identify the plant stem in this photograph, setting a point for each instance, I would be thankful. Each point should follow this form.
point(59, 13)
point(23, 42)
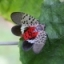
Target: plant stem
point(8, 43)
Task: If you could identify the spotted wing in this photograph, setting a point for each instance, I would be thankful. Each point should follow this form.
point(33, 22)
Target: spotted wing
point(39, 41)
point(23, 19)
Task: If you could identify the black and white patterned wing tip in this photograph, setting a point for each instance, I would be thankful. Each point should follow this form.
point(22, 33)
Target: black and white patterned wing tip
point(40, 42)
point(22, 18)
point(16, 17)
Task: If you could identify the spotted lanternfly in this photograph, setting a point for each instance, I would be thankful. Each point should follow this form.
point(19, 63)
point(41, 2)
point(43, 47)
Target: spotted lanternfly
point(30, 30)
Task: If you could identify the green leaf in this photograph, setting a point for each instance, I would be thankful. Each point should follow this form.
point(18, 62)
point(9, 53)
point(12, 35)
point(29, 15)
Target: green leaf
point(52, 15)
point(26, 6)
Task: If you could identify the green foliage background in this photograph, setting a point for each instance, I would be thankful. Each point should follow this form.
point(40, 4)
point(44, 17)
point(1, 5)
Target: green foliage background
point(32, 7)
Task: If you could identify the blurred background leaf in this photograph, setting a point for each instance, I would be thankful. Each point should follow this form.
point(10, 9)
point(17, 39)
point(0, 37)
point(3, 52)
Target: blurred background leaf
point(32, 7)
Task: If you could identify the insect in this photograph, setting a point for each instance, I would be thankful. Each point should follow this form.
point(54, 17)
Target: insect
point(30, 29)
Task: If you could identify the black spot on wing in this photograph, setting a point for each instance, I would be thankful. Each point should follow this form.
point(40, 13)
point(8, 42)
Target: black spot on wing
point(24, 22)
point(23, 16)
point(29, 18)
point(33, 19)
